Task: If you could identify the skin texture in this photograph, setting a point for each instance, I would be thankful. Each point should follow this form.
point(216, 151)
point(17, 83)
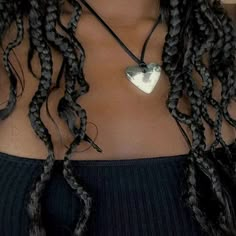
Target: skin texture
point(130, 124)
point(231, 9)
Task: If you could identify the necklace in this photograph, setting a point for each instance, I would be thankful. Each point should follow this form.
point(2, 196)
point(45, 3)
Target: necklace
point(143, 76)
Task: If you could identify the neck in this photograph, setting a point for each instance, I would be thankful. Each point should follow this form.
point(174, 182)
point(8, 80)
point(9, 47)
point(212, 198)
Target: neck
point(123, 10)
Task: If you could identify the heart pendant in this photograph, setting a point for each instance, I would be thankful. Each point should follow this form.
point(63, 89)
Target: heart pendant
point(145, 81)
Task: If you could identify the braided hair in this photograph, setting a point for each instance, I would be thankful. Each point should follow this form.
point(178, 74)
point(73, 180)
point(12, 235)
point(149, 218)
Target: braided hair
point(194, 29)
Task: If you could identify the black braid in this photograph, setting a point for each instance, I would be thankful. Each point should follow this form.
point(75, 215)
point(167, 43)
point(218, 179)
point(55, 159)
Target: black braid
point(70, 30)
point(170, 60)
point(194, 29)
point(226, 42)
point(7, 14)
point(225, 224)
point(229, 55)
point(226, 214)
point(5, 112)
point(200, 47)
point(68, 108)
point(216, 30)
point(44, 52)
point(72, 26)
point(175, 93)
point(208, 168)
point(198, 139)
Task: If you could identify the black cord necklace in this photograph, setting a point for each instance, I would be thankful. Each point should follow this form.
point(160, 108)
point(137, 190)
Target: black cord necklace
point(144, 76)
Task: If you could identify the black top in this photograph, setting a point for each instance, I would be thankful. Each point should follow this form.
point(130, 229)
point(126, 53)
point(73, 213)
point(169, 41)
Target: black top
point(139, 197)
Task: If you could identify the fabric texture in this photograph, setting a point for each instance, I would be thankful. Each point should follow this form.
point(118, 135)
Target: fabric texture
point(139, 197)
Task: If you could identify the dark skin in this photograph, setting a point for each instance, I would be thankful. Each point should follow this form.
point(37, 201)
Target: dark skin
point(131, 124)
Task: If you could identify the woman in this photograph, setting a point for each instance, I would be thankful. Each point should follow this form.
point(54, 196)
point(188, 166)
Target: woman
point(140, 176)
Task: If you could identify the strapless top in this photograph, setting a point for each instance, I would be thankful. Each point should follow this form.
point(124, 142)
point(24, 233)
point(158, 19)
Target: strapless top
point(132, 197)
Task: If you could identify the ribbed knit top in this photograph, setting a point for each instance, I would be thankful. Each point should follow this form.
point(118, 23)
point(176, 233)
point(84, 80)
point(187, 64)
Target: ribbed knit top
point(138, 197)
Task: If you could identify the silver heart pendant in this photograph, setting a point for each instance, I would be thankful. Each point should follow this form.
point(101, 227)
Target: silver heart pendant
point(145, 81)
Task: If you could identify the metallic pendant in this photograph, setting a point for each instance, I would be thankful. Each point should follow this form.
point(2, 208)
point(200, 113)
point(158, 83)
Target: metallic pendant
point(144, 80)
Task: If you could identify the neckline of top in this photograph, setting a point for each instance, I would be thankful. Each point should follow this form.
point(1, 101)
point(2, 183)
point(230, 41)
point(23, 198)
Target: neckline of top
point(97, 162)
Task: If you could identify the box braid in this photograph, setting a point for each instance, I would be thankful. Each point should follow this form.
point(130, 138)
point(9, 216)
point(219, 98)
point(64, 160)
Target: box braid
point(170, 63)
point(229, 55)
point(6, 16)
point(200, 47)
point(181, 79)
point(70, 30)
point(228, 90)
point(218, 29)
point(197, 128)
point(45, 56)
point(194, 28)
point(68, 108)
point(5, 112)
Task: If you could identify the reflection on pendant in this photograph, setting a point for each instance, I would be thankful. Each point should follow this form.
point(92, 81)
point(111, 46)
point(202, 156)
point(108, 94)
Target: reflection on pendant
point(145, 81)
